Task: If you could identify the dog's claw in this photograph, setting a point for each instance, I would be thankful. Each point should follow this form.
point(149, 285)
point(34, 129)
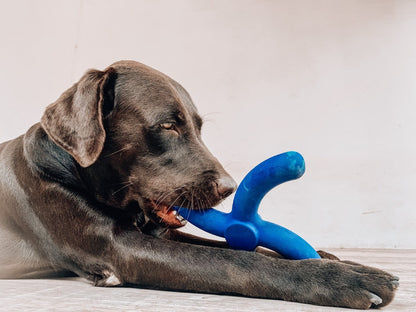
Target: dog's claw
point(375, 300)
point(395, 282)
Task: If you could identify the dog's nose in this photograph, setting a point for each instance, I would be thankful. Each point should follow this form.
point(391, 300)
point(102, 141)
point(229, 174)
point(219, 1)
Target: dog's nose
point(226, 186)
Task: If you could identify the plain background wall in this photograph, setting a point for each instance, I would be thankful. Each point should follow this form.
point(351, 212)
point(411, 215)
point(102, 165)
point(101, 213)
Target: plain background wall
point(334, 80)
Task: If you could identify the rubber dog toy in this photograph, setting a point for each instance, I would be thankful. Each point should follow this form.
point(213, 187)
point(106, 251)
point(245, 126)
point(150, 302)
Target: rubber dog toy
point(243, 228)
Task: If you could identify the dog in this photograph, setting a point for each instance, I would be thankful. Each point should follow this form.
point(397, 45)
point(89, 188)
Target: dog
point(90, 190)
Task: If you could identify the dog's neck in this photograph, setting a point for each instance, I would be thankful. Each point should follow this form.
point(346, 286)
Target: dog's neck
point(51, 162)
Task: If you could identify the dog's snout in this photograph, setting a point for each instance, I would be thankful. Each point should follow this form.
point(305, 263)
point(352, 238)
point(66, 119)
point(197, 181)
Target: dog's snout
point(226, 186)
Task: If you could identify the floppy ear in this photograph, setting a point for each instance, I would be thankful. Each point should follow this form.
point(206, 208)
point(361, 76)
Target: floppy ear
point(75, 120)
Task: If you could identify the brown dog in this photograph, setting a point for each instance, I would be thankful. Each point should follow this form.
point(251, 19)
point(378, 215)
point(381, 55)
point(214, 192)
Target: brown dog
point(89, 190)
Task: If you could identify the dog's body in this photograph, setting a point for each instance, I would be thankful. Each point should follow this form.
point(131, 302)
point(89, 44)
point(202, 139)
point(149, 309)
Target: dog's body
point(90, 190)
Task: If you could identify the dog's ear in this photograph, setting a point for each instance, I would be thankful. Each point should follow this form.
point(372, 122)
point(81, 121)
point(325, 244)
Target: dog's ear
point(75, 120)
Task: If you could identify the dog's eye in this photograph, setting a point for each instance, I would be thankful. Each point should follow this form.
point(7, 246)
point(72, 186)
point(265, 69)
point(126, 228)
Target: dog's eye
point(168, 126)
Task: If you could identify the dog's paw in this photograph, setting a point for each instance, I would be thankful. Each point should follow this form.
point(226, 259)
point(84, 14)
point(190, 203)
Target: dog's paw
point(356, 286)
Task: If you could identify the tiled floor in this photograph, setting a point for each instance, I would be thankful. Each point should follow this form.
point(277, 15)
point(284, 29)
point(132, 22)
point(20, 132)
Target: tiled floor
point(75, 294)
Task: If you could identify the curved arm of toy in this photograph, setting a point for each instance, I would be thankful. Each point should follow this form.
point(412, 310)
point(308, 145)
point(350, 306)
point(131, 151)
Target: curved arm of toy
point(285, 242)
point(265, 176)
point(210, 220)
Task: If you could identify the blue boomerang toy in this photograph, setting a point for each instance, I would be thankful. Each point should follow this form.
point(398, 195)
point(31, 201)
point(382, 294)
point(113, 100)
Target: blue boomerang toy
point(243, 228)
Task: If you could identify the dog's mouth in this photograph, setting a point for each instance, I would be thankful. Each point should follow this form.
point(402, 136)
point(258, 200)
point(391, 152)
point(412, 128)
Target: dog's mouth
point(165, 214)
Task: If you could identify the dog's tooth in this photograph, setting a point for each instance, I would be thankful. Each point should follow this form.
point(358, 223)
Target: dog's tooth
point(181, 219)
point(175, 213)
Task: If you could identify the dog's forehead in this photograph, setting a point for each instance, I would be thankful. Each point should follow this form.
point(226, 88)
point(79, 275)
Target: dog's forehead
point(153, 93)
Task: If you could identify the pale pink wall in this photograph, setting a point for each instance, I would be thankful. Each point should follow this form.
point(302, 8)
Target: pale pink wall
point(334, 80)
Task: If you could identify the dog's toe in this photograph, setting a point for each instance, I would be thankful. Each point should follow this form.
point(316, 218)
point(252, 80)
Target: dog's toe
point(108, 279)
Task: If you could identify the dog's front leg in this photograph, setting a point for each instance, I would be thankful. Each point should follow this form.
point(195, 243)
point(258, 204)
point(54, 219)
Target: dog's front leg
point(152, 262)
point(192, 239)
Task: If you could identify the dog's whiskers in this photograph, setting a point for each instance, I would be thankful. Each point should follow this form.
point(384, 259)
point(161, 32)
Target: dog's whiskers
point(192, 199)
point(189, 212)
point(177, 198)
point(118, 151)
point(122, 188)
point(163, 196)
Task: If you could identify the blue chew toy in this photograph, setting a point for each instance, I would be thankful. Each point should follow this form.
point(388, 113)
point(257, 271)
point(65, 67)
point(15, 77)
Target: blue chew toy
point(243, 228)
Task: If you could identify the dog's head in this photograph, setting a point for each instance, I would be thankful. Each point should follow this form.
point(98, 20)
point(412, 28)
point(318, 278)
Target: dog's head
point(136, 137)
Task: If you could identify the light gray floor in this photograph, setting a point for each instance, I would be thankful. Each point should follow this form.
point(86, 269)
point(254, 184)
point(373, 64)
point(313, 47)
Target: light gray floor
point(75, 294)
